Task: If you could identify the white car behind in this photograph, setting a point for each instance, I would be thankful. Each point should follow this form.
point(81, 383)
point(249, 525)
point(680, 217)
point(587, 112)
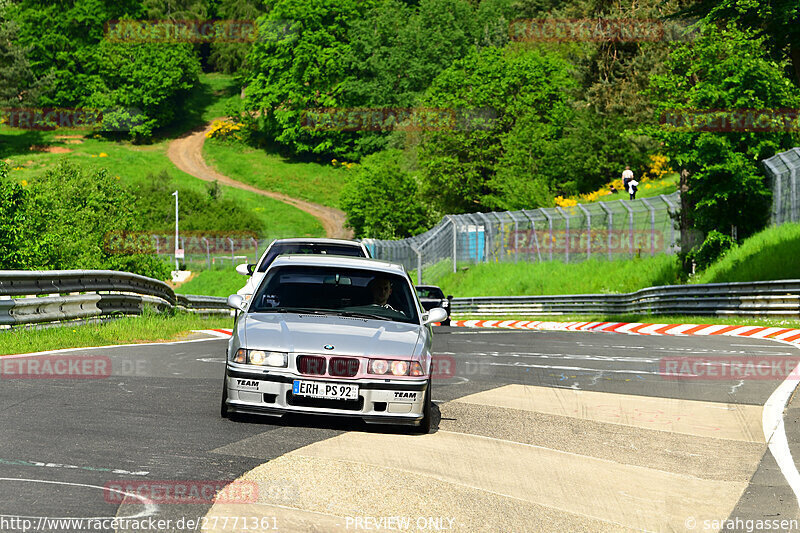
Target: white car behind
point(295, 247)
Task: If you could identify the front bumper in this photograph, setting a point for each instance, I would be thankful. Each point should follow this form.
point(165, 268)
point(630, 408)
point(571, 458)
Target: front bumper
point(381, 401)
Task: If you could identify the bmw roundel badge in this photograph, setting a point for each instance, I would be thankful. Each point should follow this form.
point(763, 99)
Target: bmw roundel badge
point(328, 346)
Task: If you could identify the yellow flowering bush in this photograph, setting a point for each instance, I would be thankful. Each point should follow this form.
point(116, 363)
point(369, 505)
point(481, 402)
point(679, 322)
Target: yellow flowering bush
point(659, 167)
point(221, 129)
point(565, 202)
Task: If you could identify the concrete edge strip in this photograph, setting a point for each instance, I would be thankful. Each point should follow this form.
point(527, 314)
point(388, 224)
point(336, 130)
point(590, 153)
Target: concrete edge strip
point(772, 413)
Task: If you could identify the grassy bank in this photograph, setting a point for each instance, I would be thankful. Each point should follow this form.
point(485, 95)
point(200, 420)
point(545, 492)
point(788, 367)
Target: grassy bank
point(30, 153)
point(588, 277)
point(214, 283)
point(271, 171)
point(770, 254)
point(150, 327)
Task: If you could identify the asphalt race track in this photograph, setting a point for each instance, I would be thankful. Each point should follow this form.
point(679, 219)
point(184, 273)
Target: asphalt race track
point(535, 431)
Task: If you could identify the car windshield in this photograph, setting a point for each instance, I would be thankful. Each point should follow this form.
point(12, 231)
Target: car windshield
point(342, 291)
point(294, 248)
point(430, 292)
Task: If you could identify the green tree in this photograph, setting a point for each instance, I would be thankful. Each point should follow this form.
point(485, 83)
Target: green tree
point(60, 40)
point(18, 85)
point(231, 57)
point(777, 21)
point(12, 221)
point(66, 218)
point(145, 83)
point(381, 198)
point(724, 69)
point(298, 64)
point(517, 104)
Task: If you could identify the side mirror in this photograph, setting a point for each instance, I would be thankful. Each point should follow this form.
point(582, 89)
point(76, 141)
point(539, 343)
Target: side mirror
point(243, 269)
point(437, 314)
point(449, 296)
point(237, 301)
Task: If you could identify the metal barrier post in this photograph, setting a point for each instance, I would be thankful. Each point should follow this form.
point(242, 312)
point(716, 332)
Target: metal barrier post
point(610, 225)
point(486, 236)
point(792, 186)
point(630, 223)
point(208, 252)
point(502, 234)
point(670, 208)
point(566, 221)
point(549, 223)
point(455, 244)
point(652, 227)
point(533, 232)
point(588, 231)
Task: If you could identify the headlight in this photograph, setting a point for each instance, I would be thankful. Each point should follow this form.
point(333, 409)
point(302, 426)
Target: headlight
point(378, 366)
point(260, 358)
point(399, 368)
point(395, 368)
point(445, 303)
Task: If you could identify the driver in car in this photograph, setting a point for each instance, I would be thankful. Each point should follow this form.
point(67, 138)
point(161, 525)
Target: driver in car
point(381, 289)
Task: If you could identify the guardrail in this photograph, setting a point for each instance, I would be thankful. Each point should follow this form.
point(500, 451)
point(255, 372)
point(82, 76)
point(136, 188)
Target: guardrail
point(45, 296)
point(775, 298)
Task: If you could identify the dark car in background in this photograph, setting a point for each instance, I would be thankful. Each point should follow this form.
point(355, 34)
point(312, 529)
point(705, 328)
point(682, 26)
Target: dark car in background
point(431, 296)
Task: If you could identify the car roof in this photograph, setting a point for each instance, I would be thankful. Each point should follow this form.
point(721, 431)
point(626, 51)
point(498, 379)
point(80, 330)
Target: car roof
point(339, 260)
point(427, 287)
point(317, 240)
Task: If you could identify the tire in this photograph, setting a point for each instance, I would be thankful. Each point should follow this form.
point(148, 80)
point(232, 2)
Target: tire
point(446, 322)
point(424, 426)
point(223, 409)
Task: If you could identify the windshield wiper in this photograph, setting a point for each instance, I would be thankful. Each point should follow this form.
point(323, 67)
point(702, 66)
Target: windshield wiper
point(353, 314)
point(300, 310)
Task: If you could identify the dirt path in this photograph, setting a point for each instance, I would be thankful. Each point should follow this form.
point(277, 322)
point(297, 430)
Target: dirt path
point(186, 153)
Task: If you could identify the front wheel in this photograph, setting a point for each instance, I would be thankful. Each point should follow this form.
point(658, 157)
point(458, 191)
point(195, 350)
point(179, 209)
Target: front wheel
point(424, 426)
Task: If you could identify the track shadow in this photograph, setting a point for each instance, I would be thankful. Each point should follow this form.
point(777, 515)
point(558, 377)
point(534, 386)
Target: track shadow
point(336, 423)
point(16, 144)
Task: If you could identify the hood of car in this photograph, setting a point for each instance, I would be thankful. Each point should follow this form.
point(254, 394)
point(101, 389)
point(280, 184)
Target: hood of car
point(297, 333)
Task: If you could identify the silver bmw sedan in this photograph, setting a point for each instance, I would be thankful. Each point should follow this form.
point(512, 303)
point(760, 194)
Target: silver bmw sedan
point(332, 335)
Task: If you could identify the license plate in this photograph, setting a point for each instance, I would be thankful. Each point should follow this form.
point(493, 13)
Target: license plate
point(321, 389)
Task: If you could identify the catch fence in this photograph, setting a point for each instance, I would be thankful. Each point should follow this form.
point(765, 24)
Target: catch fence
point(784, 172)
point(604, 230)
